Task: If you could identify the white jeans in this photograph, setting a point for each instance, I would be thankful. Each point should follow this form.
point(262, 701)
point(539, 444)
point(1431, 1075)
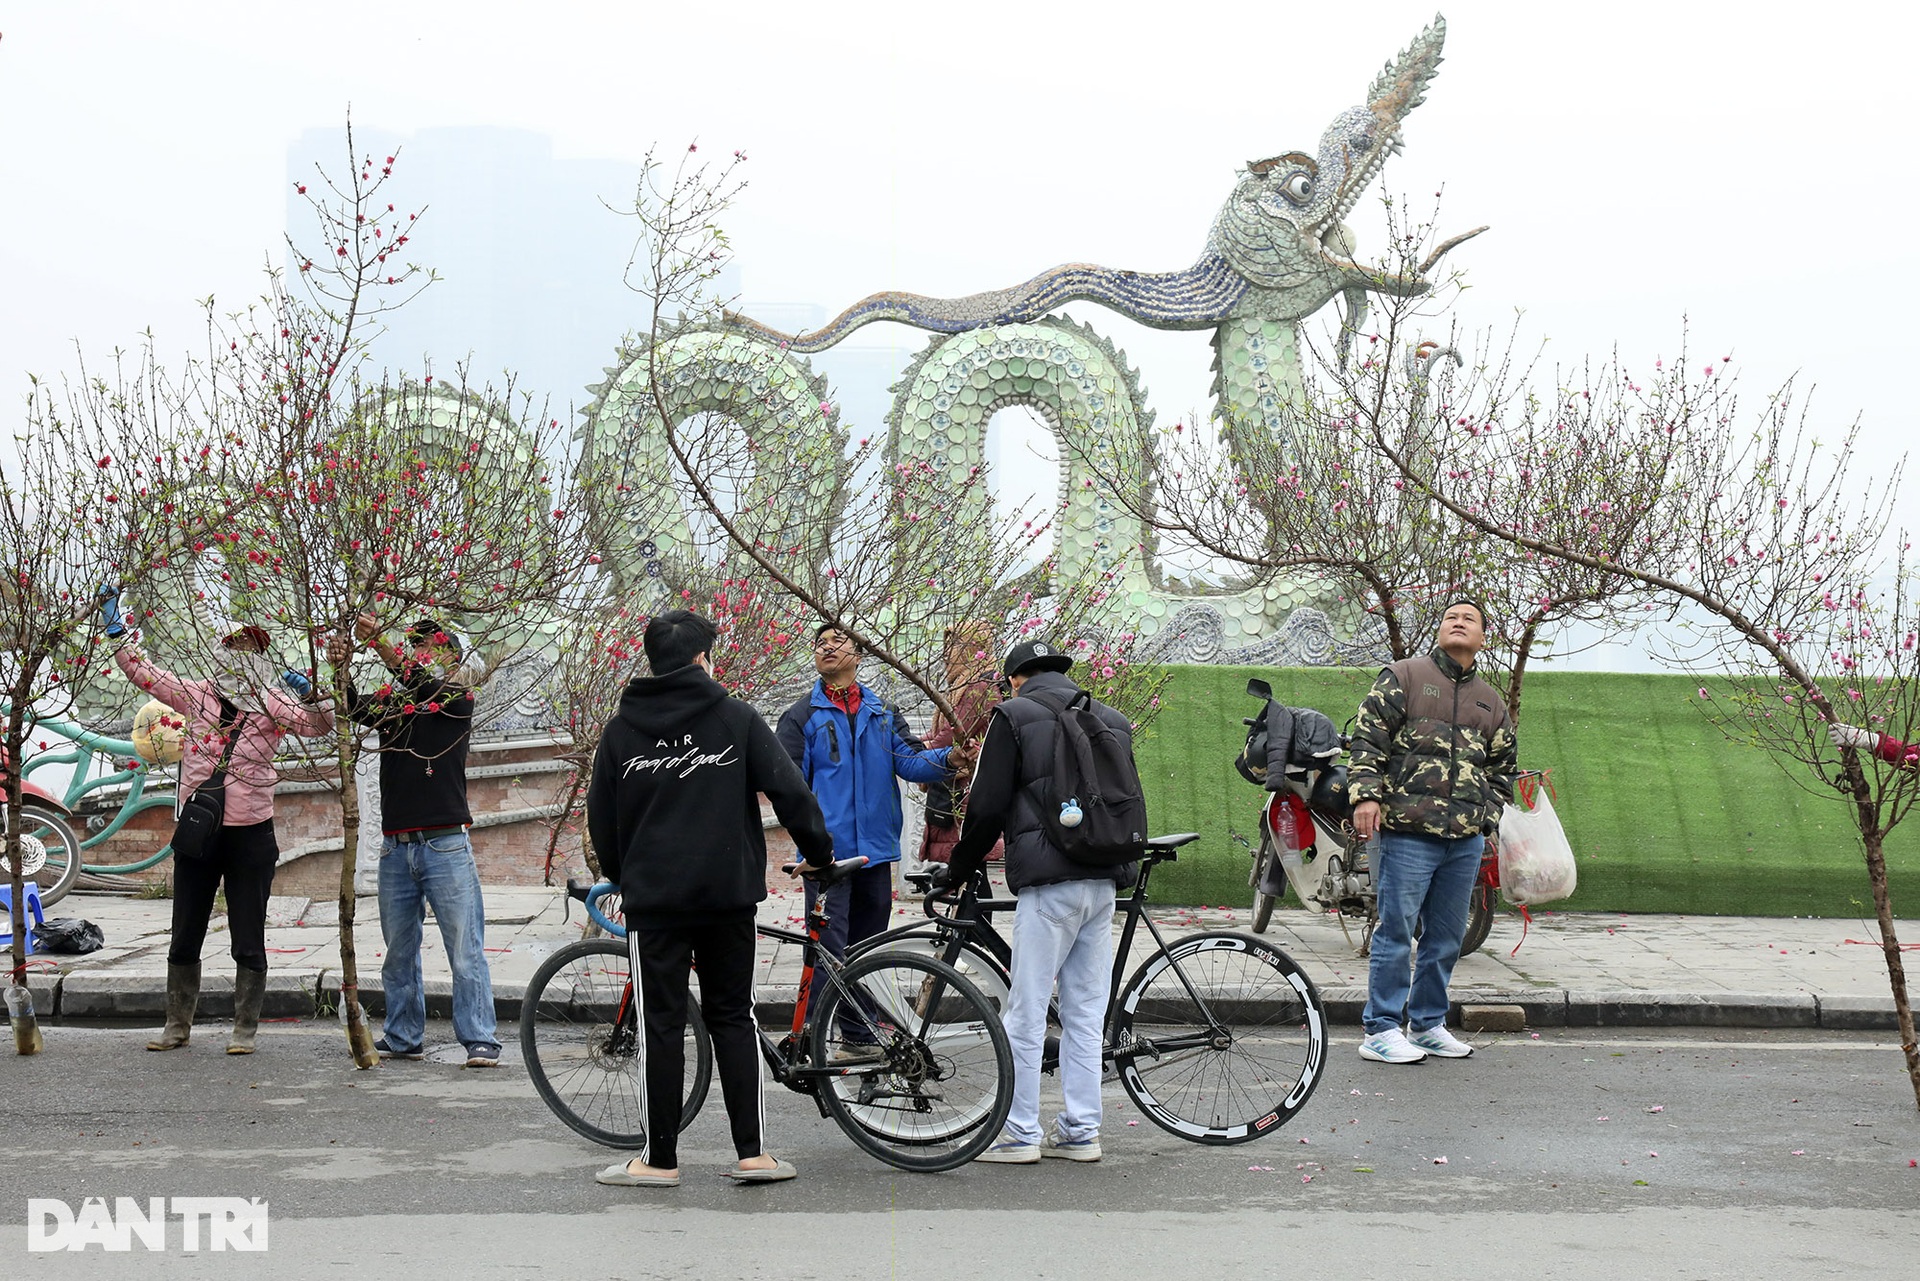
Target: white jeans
point(1062, 932)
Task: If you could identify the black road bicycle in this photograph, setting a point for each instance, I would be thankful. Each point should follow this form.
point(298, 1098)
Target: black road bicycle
point(902, 1052)
point(1219, 1037)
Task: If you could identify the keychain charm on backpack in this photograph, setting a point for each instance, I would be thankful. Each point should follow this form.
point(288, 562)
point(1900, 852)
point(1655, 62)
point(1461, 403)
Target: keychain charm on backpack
point(1070, 814)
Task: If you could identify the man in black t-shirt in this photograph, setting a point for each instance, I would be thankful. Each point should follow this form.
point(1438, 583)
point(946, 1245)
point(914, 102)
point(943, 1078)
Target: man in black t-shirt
point(424, 718)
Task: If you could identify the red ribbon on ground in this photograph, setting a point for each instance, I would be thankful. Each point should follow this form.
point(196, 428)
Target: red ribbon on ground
point(1526, 919)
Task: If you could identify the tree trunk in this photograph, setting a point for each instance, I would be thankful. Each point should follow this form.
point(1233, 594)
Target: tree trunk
point(1890, 945)
point(1518, 672)
point(559, 825)
point(20, 1013)
point(359, 1039)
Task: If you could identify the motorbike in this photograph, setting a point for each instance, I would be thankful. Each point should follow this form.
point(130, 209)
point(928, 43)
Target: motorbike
point(1307, 842)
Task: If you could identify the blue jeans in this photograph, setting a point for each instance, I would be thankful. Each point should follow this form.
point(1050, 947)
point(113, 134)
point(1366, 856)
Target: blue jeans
point(1064, 932)
point(1425, 881)
point(414, 874)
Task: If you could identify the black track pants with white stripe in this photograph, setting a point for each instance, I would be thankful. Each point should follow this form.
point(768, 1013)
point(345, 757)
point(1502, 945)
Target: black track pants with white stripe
point(663, 950)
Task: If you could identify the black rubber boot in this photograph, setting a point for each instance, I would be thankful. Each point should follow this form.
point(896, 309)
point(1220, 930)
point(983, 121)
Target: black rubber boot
point(183, 996)
point(249, 990)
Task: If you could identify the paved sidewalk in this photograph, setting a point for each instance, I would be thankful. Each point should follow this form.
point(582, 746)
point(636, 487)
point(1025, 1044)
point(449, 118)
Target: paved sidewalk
point(1573, 969)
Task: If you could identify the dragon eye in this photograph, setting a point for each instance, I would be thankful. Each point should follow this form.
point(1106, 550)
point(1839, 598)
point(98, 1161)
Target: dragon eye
point(1298, 188)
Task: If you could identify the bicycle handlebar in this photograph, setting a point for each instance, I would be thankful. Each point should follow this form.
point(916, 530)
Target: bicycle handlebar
point(591, 897)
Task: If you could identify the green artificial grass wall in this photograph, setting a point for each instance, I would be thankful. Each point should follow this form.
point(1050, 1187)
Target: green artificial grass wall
point(1664, 814)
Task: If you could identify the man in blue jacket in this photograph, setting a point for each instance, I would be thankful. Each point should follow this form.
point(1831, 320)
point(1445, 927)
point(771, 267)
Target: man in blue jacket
point(850, 745)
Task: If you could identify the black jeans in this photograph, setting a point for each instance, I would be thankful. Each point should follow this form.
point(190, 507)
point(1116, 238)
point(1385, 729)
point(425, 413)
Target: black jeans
point(663, 952)
point(245, 857)
point(857, 908)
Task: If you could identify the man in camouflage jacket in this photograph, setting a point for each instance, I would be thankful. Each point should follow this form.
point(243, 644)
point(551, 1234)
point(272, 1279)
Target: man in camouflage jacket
point(1432, 763)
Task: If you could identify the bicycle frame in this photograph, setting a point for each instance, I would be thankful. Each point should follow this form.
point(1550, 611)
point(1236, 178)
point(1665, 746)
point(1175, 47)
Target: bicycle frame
point(1136, 913)
point(976, 926)
point(783, 1058)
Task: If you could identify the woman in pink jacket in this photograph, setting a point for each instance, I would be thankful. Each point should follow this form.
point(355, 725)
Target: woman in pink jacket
point(250, 701)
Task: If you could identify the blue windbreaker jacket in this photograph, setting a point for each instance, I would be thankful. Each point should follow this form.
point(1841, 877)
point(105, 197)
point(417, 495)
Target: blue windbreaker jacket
point(851, 768)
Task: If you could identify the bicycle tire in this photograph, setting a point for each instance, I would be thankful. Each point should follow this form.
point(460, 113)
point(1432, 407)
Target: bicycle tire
point(1481, 910)
point(975, 963)
point(1248, 1071)
point(928, 1072)
point(578, 1034)
point(1262, 903)
point(58, 842)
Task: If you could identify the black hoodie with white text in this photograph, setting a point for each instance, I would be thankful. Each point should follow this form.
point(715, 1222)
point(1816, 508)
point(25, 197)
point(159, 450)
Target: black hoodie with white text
point(673, 808)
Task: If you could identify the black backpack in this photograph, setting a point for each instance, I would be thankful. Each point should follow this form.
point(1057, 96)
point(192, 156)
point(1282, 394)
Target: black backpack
point(1093, 769)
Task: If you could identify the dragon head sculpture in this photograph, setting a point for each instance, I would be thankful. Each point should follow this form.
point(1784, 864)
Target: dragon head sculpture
point(1281, 229)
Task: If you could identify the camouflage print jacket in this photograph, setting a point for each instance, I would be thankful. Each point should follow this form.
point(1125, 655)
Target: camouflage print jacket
point(1434, 745)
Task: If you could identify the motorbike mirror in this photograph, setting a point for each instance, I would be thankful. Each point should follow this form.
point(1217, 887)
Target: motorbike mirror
point(1257, 688)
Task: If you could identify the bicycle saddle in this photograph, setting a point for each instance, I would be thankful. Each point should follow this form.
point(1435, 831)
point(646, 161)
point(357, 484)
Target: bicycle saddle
point(830, 875)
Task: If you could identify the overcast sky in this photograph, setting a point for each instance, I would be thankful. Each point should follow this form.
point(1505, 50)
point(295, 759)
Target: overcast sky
point(1745, 166)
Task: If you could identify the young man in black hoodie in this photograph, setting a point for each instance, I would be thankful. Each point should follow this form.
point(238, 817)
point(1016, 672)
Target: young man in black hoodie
point(674, 814)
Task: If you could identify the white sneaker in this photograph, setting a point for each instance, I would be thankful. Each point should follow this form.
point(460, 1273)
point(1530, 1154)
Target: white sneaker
point(1391, 1046)
point(1008, 1150)
point(1438, 1041)
point(1052, 1145)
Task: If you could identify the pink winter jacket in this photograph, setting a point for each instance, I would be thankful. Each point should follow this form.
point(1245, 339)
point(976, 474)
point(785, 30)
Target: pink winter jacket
point(250, 775)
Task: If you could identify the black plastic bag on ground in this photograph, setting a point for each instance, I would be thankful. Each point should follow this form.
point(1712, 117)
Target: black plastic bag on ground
point(68, 934)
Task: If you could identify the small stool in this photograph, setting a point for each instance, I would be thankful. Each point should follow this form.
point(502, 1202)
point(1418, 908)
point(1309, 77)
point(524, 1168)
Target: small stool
point(6, 920)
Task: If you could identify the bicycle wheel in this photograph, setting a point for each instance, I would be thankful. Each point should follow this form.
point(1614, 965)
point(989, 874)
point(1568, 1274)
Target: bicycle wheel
point(579, 1033)
point(1262, 903)
point(976, 964)
point(1480, 913)
point(1237, 1074)
point(926, 1074)
point(49, 851)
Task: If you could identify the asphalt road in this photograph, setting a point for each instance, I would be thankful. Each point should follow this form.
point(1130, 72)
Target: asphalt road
point(1629, 1154)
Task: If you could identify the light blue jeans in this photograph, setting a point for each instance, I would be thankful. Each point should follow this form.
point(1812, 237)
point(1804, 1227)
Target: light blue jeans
point(1061, 933)
point(1425, 881)
point(413, 875)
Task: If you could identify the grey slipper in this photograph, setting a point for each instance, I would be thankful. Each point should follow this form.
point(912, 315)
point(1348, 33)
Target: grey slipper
point(618, 1176)
point(780, 1173)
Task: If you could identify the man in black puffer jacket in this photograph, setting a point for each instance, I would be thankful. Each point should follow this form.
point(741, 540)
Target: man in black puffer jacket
point(674, 814)
point(1063, 925)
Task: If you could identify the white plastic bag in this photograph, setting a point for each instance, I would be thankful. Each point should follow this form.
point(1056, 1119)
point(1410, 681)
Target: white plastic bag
point(1536, 863)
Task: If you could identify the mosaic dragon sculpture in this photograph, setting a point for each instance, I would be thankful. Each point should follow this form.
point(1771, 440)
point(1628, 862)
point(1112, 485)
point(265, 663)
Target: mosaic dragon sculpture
point(1277, 253)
